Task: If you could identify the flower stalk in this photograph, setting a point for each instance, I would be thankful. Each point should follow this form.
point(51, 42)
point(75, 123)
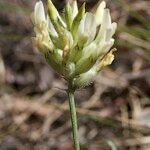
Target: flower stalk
point(73, 115)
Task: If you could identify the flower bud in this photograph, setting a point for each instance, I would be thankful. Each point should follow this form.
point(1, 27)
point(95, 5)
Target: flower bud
point(99, 13)
point(74, 9)
point(52, 11)
point(87, 59)
point(68, 16)
point(86, 78)
point(86, 29)
point(39, 14)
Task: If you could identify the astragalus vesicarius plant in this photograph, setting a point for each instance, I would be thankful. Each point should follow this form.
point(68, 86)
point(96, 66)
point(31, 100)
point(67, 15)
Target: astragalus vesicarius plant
point(76, 44)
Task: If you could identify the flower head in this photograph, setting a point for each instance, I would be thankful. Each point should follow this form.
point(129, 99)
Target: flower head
point(76, 44)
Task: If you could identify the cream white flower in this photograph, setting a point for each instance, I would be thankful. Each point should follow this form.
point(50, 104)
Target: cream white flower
point(76, 44)
point(42, 39)
point(87, 29)
point(39, 14)
point(99, 13)
point(74, 9)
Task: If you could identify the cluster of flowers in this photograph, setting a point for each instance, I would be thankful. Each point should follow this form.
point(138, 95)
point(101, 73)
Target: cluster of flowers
point(76, 44)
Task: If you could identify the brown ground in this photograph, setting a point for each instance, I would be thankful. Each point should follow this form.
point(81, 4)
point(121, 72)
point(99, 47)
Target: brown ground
point(33, 107)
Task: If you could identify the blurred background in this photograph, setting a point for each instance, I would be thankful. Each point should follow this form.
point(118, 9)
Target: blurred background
point(114, 111)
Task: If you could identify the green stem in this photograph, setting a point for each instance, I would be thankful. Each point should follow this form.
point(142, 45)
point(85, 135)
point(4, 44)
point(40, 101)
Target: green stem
point(71, 91)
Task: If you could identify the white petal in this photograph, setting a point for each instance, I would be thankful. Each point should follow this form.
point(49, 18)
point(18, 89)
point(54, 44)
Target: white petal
point(89, 50)
point(90, 27)
point(107, 46)
point(99, 13)
point(81, 35)
point(106, 25)
point(106, 22)
point(104, 47)
point(81, 27)
point(74, 9)
point(106, 19)
point(61, 20)
point(110, 31)
point(89, 21)
point(87, 29)
point(39, 14)
point(114, 27)
point(51, 28)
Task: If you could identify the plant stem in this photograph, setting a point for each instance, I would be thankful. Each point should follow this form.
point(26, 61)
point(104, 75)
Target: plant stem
point(73, 115)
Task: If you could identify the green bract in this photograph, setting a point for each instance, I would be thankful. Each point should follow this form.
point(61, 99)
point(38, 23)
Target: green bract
point(76, 44)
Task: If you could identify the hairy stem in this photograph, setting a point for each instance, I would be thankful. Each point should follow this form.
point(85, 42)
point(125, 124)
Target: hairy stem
point(73, 115)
